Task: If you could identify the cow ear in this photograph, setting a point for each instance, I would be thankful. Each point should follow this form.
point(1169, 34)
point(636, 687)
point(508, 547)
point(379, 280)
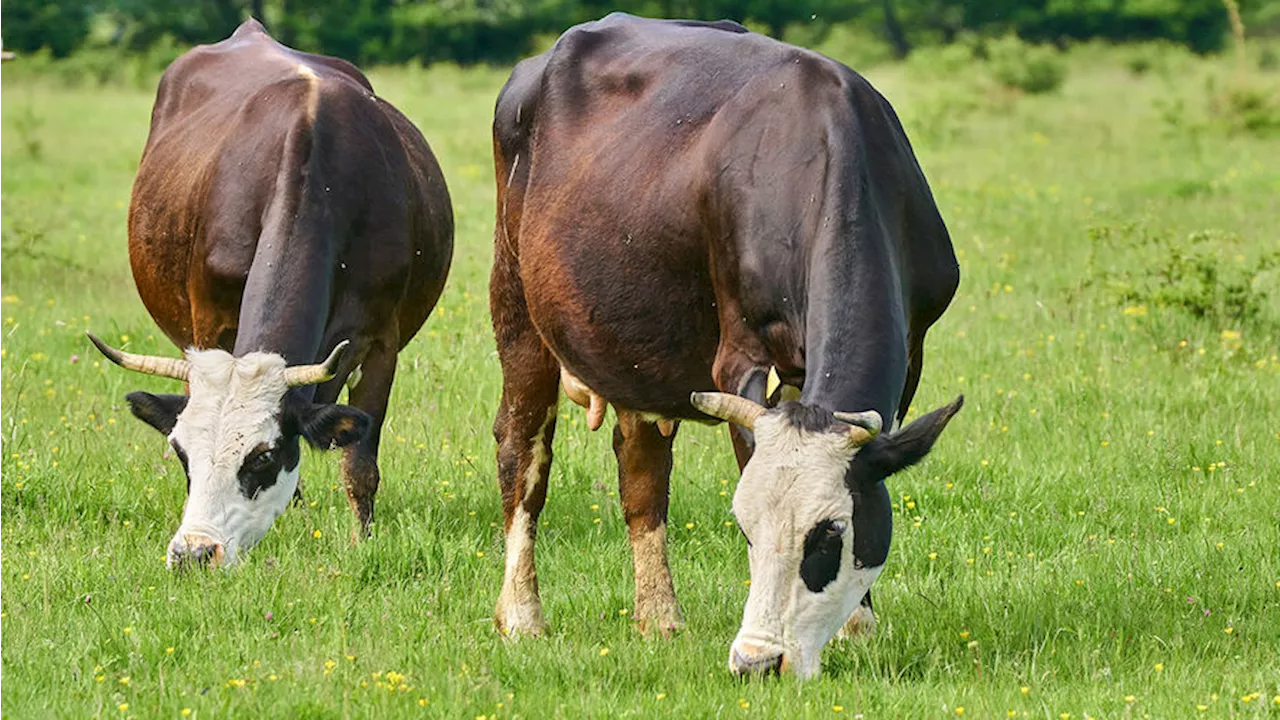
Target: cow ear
point(159, 411)
point(333, 426)
point(886, 455)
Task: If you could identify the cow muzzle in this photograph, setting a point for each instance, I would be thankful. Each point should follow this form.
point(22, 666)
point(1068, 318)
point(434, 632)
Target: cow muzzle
point(749, 658)
point(195, 551)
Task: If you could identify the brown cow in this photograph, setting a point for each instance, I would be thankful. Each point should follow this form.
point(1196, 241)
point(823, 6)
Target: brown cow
point(681, 207)
point(281, 210)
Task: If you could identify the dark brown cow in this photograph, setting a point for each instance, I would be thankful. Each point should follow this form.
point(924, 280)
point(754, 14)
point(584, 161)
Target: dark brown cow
point(681, 207)
point(281, 210)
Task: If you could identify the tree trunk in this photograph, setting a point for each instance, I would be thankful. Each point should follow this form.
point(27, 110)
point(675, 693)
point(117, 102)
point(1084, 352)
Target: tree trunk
point(893, 28)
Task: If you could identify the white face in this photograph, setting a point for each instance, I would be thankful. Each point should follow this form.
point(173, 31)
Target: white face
point(241, 469)
point(797, 514)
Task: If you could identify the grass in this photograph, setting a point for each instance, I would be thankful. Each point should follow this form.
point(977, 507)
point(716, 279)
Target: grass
point(1095, 535)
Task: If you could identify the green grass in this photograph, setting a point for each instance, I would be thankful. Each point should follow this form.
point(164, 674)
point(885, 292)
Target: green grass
point(1102, 519)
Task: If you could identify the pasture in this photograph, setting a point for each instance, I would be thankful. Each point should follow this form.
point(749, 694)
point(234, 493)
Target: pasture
point(1097, 534)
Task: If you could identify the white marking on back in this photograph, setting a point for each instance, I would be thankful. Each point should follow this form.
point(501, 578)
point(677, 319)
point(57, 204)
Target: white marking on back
point(313, 87)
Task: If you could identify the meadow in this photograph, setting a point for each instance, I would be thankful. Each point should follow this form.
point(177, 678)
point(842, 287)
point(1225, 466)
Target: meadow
point(1097, 534)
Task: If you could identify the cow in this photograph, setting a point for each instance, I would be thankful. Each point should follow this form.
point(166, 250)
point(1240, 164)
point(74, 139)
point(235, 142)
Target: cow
point(282, 213)
point(684, 209)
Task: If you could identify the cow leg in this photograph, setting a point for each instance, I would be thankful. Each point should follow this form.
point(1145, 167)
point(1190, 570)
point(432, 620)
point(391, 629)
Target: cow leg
point(523, 430)
point(862, 623)
point(644, 474)
point(915, 362)
point(736, 373)
point(360, 471)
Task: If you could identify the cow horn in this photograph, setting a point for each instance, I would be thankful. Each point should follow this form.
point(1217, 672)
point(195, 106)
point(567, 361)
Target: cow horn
point(316, 374)
point(175, 368)
point(864, 425)
point(737, 410)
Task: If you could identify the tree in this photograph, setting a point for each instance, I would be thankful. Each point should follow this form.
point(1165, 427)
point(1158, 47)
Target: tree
point(30, 25)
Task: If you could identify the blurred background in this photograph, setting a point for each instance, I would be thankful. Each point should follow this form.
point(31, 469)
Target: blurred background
point(150, 33)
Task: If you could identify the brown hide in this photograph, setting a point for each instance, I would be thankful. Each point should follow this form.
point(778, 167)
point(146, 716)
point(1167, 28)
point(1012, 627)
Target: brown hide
point(267, 159)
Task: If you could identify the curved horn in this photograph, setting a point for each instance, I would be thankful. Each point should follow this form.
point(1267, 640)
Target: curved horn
point(735, 409)
point(864, 425)
point(175, 368)
point(316, 374)
point(867, 419)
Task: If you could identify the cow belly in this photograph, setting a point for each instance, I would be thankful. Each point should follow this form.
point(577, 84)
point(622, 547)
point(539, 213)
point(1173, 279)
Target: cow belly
point(642, 346)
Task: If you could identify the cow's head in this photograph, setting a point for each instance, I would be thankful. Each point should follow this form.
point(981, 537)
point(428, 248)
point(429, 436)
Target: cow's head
point(237, 435)
point(795, 505)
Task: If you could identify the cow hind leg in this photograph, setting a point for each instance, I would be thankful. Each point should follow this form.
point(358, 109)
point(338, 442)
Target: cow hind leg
point(371, 393)
point(644, 474)
point(523, 430)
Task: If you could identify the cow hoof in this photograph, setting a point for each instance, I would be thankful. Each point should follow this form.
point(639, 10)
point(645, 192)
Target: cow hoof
point(861, 624)
point(662, 625)
point(520, 621)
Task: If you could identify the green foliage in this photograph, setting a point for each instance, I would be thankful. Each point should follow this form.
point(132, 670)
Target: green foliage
point(466, 31)
point(1252, 108)
point(1204, 274)
point(851, 43)
point(1067, 523)
point(954, 61)
point(102, 65)
point(1159, 57)
point(27, 123)
point(1199, 24)
point(1033, 69)
point(30, 25)
point(471, 31)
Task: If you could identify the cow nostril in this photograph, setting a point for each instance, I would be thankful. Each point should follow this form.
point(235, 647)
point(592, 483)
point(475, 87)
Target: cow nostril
point(198, 555)
point(744, 665)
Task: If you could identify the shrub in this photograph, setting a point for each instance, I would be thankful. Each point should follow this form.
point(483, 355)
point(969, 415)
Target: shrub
point(1033, 69)
point(943, 61)
point(852, 44)
point(30, 129)
point(1202, 275)
point(1249, 108)
point(1159, 56)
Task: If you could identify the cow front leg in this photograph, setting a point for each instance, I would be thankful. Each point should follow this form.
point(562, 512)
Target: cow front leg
point(736, 371)
point(644, 474)
point(862, 623)
point(370, 393)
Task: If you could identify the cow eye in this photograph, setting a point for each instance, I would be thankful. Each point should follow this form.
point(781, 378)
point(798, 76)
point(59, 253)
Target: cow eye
point(837, 528)
point(260, 461)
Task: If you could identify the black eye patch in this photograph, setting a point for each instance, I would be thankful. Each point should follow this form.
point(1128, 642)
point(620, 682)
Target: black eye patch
point(262, 467)
point(822, 549)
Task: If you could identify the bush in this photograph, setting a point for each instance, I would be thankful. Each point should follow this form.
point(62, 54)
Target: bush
point(1159, 57)
point(1203, 275)
point(1249, 108)
point(102, 65)
point(1033, 69)
point(942, 61)
point(850, 43)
